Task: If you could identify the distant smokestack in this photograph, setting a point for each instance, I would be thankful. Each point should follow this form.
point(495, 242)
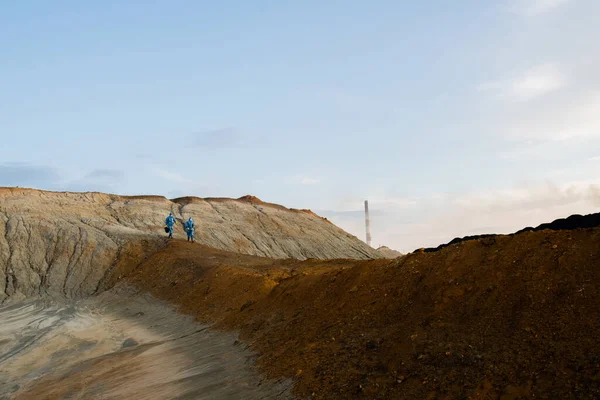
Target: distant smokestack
point(367, 222)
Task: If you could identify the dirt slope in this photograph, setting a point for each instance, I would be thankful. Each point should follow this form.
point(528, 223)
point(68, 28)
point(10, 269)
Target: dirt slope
point(497, 318)
point(78, 244)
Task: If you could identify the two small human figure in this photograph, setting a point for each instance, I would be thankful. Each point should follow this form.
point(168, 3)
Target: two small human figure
point(188, 226)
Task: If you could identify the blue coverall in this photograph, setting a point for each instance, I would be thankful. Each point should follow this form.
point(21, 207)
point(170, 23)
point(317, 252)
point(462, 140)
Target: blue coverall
point(170, 221)
point(189, 228)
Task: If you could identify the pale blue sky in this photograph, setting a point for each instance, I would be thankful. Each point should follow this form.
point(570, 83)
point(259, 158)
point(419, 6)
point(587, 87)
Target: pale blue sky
point(451, 117)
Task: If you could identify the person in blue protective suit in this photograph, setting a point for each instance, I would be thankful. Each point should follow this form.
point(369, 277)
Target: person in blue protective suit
point(170, 221)
point(189, 228)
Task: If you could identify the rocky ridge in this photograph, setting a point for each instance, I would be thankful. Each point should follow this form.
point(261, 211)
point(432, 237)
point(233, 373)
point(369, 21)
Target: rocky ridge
point(77, 244)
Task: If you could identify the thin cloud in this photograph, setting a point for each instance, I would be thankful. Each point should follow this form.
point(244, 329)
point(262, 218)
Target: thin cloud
point(537, 7)
point(217, 139)
point(309, 181)
point(582, 120)
point(303, 180)
point(23, 174)
point(573, 117)
point(531, 149)
point(146, 157)
point(99, 180)
point(112, 174)
point(531, 198)
point(171, 176)
point(382, 201)
point(399, 202)
point(536, 82)
point(225, 138)
point(41, 177)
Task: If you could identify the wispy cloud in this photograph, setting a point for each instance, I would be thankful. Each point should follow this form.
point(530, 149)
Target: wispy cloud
point(146, 157)
point(537, 7)
point(535, 82)
point(309, 181)
point(581, 120)
point(23, 174)
point(171, 176)
point(100, 180)
point(112, 174)
point(538, 81)
point(379, 199)
point(225, 138)
point(532, 197)
point(217, 139)
point(41, 177)
point(303, 180)
point(572, 117)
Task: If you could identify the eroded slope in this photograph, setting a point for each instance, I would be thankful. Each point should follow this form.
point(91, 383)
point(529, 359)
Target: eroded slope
point(77, 244)
point(122, 345)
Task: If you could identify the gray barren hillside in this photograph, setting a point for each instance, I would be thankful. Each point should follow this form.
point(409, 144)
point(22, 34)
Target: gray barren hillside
point(386, 252)
point(77, 244)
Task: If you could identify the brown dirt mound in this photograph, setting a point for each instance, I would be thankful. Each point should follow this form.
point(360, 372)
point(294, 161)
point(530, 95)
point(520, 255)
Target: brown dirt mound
point(502, 317)
point(251, 199)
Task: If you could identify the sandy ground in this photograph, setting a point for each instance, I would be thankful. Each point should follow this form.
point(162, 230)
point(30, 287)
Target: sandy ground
point(122, 345)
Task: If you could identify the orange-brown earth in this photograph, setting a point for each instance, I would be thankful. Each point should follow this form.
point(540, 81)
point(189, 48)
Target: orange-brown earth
point(503, 317)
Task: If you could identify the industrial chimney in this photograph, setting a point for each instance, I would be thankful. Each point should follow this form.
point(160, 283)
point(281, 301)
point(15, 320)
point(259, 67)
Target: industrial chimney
point(367, 222)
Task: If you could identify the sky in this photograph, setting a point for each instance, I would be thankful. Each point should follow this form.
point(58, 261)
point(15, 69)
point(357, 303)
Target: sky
point(452, 118)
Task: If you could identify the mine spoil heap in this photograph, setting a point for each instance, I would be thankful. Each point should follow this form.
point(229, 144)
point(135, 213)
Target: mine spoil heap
point(78, 244)
point(500, 316)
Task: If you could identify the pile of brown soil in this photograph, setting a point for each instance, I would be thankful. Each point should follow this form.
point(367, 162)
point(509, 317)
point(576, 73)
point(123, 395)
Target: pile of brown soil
point(501, 317)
